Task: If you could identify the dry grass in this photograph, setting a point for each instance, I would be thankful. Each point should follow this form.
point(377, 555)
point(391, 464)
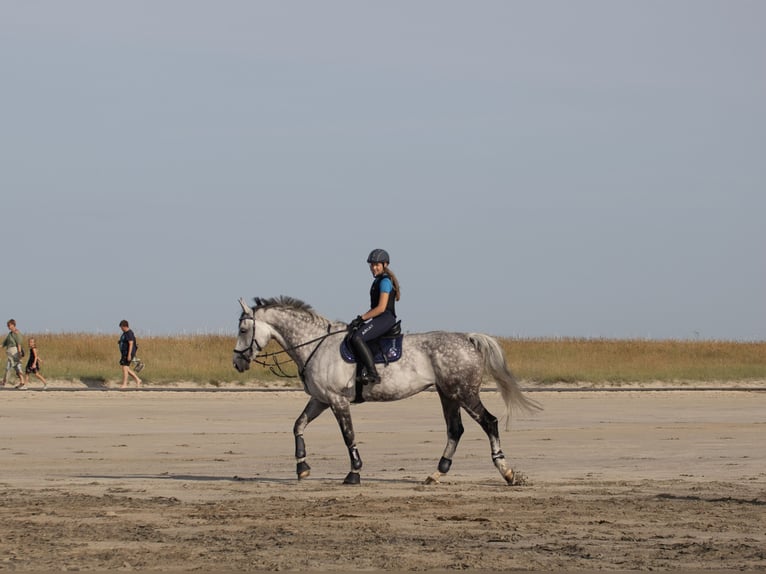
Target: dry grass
point(206, 359)
point(202, 359)
point(621, 361)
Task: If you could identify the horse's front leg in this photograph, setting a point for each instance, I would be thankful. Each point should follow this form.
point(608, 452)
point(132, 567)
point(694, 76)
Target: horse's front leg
point(313, 409)
point(341, 408)
point(451, 409)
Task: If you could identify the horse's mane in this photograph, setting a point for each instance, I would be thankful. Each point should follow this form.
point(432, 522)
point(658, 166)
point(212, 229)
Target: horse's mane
point(285, 301)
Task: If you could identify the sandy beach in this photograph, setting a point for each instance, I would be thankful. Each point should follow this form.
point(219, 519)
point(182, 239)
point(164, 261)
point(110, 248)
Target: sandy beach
point(205, 480)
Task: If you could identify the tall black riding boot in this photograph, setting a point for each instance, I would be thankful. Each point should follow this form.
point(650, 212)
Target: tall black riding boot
point(363, 356)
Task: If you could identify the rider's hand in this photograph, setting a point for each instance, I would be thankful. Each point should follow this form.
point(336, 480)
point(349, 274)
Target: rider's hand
point(356, 323)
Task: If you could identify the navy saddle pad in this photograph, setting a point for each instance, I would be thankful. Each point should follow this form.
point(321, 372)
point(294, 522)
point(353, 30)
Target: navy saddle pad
point(384, 350)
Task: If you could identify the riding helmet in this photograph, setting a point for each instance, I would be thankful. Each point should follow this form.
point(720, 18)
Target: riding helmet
point(378, 256)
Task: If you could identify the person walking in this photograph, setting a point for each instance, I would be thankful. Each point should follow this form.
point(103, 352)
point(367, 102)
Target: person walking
point(128, 348)
point(14, 353)
point(379, 319)
point(34, 362)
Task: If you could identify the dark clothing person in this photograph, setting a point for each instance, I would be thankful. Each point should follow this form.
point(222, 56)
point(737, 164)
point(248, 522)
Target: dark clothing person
point(34, 362)
point(381, 317)
point(126, 348)
point(380, 325)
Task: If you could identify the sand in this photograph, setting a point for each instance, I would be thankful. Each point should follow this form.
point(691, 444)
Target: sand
point(205, 481)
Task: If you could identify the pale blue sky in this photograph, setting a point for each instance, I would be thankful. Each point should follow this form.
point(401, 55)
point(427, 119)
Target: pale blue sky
point(535, 169)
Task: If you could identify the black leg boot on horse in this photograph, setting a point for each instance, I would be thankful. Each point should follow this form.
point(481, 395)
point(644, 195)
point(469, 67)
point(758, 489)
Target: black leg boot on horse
point(368, 375)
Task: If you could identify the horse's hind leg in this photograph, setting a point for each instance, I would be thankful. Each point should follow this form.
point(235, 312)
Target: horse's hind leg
point(488, 422)
point(451, 409)
point(311, 411)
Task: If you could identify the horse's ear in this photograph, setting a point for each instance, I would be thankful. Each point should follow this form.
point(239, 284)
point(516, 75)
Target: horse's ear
point(244, 306)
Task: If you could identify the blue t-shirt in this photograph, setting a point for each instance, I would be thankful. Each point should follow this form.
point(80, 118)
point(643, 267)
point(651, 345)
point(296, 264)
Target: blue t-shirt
point(386, 286)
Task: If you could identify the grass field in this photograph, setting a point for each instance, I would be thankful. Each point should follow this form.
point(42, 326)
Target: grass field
point(625, 361)
point(206, 360)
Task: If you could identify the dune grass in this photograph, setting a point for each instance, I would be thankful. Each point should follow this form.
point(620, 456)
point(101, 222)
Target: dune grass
point(206, 360)
point(625, 361)
point(201, 359)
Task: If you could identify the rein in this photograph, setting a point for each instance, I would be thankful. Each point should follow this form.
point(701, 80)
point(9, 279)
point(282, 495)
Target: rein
point(276, 366)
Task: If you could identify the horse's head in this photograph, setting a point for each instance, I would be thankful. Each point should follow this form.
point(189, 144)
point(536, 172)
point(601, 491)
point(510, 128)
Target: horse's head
point(252, 338)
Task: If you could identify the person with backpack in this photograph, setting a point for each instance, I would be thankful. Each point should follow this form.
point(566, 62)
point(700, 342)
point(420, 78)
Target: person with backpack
point(128, 348)
point(15, 353)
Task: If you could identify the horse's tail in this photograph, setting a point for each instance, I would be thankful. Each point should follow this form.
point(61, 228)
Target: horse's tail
point(496, 366)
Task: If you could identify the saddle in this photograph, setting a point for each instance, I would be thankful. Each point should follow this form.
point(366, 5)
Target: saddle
point(385, 349)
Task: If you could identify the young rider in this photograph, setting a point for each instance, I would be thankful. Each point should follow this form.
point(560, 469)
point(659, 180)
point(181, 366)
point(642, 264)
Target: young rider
point(379, 319)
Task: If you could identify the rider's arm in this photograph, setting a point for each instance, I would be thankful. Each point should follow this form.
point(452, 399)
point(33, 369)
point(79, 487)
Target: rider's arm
point(382, 304)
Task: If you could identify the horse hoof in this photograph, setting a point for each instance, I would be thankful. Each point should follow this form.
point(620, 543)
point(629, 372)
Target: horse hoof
point(515, 478)
point(304, 470)
point(433, 479)
point(352, 478)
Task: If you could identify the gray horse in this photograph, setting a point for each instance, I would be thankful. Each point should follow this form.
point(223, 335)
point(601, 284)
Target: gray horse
point(452, 362)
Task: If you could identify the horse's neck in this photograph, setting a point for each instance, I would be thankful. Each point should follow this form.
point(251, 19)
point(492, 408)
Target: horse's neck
point(293, 332)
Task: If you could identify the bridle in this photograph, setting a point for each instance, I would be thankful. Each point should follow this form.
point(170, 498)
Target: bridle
point(261, 358)
point(253, 341)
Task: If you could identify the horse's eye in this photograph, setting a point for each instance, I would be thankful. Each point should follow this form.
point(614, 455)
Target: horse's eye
point(242, 331)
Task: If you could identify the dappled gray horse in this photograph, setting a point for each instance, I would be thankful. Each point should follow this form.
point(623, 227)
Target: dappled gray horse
point(452, 362)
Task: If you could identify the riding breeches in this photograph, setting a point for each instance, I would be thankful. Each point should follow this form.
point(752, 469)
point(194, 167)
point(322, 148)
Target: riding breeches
point(376, 327)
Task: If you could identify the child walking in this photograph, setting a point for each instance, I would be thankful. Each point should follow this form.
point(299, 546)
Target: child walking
point(34, 362)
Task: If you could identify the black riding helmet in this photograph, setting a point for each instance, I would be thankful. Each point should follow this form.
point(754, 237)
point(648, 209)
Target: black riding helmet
point(378, 256)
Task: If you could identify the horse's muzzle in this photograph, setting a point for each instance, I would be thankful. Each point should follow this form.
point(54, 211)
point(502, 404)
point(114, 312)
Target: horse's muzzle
point(241, 361)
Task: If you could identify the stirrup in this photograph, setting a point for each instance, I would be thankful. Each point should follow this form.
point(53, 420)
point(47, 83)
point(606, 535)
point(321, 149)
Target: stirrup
point(367, 378)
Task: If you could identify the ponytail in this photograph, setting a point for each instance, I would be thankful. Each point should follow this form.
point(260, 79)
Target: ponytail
point(395, 281)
